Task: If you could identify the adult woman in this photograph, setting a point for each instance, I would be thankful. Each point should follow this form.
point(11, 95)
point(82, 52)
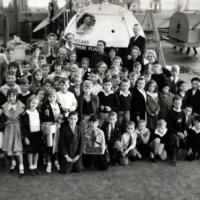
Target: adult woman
point(100, 55)
point(136, 57)
point(33, 59)
point(152, 58)
point(112, 53)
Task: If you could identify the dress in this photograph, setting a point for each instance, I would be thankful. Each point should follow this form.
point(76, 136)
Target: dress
point(12, 141)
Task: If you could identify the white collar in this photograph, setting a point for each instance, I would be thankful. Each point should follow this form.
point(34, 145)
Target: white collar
point(24, 94)
point(177, 110)
point(110, 126)
point(193, 128)
point(153, 95)
point(161, 134)
point(125, 95)
point(29, 74)
point(68, 47)
point(106, 94)
point(172, 78)
point(31, 112)
point(12, 106)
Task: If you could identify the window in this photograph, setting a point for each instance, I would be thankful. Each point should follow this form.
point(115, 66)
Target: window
point(193, 5)
point(8, 6)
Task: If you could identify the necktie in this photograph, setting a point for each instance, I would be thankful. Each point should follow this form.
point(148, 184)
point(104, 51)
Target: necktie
point(51, 50)
point(93, 139)
point(111, 132)
point(174, 81)
point(77, 92)
point(12, 111)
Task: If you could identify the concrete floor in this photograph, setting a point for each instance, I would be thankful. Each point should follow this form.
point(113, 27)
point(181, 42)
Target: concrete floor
point(140, 180)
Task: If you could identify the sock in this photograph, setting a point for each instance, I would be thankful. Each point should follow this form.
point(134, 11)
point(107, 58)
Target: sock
point(34, 166)
point(14, 163)
point(31, 167)
point(21, 167)
point(49, 164)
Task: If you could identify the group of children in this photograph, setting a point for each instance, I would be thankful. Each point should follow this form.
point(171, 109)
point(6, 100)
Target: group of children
point(108, 113)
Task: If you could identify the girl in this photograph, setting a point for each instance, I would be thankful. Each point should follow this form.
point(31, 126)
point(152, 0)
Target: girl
point(112, 53)
point(31, 130)
point(182, 92)
point(138, 102)
point(102, 68)
point(58, 65)
point(14, 66)
point(12, 141)
point(165, 98)
point(37, 81)
point(118, 61)
point(152, 104)
point(85, 70)
point(52, 112)
point(41, 96)
point(72, 59)
point(42, 60)
point(66, 67)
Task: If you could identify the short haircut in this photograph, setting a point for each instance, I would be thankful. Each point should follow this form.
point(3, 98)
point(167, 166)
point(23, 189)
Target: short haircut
point(9, 49)
point(49, 80)
point(69, 34)
point(72, 114)
point(10, 73)
point(125, 80)
point(66, 61)
point(107, 80)
point(137, 64)
point(137, 49)
point(12, 91)
point(62, 49)
point(57, 62)
point(101, 63)
point(132, 74)
point(161, 122)
point(102, 41)
point(25, 62)
point(42, 57)
point(124, 70)
point(112, 114)
point(197, 118)
point(114, 67)
point(176, 97)
point(118, 58)
point(152, 82)
point(14, 64)
point(94, 71)
point(115, 77)
point(50, 92)
point(51, 35)
point(45, 66)
point(75, 77)
point(85, 59)
point(130, 123)
point(147, 72)
point(74, 67)
point(195, 79)
point(23, 81)
point(72, 53)
point(87, 83)
point(63, 80)
point(140, 79)
point(141, 122)
point(113, 48)
point(40, 90)
point(188, 106)
point(31, 98)
point(94, 118)
point(175, 67)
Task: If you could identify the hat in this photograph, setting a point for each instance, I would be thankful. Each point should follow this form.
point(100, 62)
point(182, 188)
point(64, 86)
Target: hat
point(180, 83)
point(34, 47)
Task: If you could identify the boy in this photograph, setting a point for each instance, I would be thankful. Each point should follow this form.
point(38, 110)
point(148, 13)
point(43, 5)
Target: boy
point(132, 78)
point(26, 71)
point(71, 138)
point(189, 118)
point(24, 92)
point(114, 70)
point(124, 96)
point(128, 144)
point(112, 133)
point(137, 67)
point(124, 73)
point(58, 70)
point(94, 76)
point(10, 83)
point(88, 105)
point(66, 98)
point(5, 63)
point(45, 71)
point(108, 101)
point(95, 141)
point(74, 70)
point(194, 96)
point(174, 79)
point(147, 76)
point(85, 70)
point(176, 126)
point(76, 89)
point(115, 82)
point(48, 83)
point(56, 85)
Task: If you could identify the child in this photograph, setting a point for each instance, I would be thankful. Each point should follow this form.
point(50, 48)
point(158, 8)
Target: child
point(72, 59)
point(76, 89)
point(52, 112)
point(48, 83)
point(174, 79)
point(124, 73)
point(5, 63)
point(165, 99)
point(88, 105)
point(66, 67)
point(118, 61)
point(24, 92)
point(42, 60)
point(158, 75)
point(147, 76)
point(57, 70)
point(74, 70)
point(31, 130)
point(37, 81)
point(138, 102)
point(152, 104)
point(112, 133)
point(160, 141)
point(137, 67)
point(128, 144)
point(71, 145)
point(14, 66)
point(41, 96)
point(176, 126)
point(115, 83)
point(194, 96)
point(108, 101)
point(133, 78)
point(10, 83)
point(95, 139)
point(45, 71)
point(26, 71)
point(189, 118)
point(66, 98)
point(114, 70)
point(85, 70)
point(94, 76)
point(125, 97)
point(143, 135)
point(56, 85)
point(62, 54)
point(12, 140)
point(193, 140)
point(181, 91)
point(101, 68)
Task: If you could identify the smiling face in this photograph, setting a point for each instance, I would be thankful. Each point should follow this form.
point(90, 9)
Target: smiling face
point(125, 87)
point(100, 46)
point(52, 40)
point(25, 69)
point(41, 95)
point(73, 120)
point(70, 39)
point(64, 86)
point(12, 98)
point(107, 86)
point(165, 89)
point(183, 87)
point(112, 53)
point(10, 80)
point(141, 84)
point(134, 53)
point(150, 58)
point(33, 104)
point(130, 129)
point(52, 98)
point(177, 104)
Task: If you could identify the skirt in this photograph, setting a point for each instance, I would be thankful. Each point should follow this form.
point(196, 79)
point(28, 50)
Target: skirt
point(35, 139)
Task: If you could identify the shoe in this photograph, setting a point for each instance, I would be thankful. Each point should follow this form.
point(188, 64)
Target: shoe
point(37, 171)
point(12, 168)
point(32, 172)
point(21, 173)
point(57, 166)
point(174, 162)
point(49, 168)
